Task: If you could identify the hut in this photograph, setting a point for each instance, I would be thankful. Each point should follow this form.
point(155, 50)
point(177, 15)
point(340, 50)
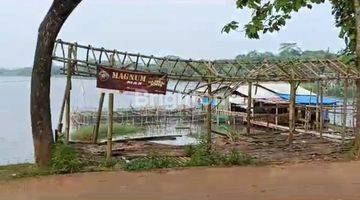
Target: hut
point(270, 102)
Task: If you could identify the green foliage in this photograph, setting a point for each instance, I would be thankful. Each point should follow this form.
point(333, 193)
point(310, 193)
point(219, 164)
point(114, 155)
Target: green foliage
point(289, 51)
point(202, 156)
point(189, 150)
point(85, 133)
point(154, 161)
point(65, 159)
point(270, 16)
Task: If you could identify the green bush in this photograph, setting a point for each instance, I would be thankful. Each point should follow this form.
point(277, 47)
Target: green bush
point(85, 133)
point(65, 159)
point(236, 157)
point(152, 162)
point(189, 150)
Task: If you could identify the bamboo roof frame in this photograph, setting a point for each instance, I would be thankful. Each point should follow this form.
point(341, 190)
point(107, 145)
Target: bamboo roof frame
point(232, 73)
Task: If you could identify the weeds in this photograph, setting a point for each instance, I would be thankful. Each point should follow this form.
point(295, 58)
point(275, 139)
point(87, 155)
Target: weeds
point(85, 133)
point(65, 159)
point(154, 161)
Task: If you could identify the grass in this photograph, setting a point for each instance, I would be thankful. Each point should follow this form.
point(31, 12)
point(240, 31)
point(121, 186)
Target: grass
point(199, 156)
point(66, 159)
point(85, 133)
point(19, 171)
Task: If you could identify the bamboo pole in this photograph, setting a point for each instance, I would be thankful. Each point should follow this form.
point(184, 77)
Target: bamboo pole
point(110, 127)
point(344, 114)
point(277, 115)
point(208, 117)
point(61, 116)
point(317, 107)
point(68, 88)
point(292, 114)
point(321, 114)
point(248, 109)
point(98, 118)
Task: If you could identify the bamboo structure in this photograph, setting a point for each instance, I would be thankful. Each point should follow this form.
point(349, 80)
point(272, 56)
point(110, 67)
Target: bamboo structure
point(203, 77)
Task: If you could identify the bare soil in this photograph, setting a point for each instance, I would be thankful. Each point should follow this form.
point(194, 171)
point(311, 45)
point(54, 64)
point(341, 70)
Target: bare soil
point(317, 181)
point(265, 145)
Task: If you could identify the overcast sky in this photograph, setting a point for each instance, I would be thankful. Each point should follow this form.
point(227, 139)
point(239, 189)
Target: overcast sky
point(186, 28)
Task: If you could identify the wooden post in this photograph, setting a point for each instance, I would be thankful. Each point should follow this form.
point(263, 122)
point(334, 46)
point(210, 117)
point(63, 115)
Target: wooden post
point(321, 124)
point(317, 107)
point(68, 95)
point(344, 114)
point(248, 109)
point(98, 118)
point(208, 116)
point(110, 127)
point(277, 115)
point(292, 114)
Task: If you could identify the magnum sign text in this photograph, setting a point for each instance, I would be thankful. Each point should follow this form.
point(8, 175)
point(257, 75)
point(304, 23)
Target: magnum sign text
point(124, 80)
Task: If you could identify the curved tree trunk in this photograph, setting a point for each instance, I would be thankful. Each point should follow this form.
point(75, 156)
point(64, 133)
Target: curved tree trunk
point(40, 81)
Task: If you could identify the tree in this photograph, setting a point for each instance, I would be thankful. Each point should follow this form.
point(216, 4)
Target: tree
point(272, 15)
point(289, 50)
point(40, 81)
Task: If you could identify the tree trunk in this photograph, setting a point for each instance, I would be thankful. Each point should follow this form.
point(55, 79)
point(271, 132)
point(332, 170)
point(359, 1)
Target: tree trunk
point(40, 81)
point(357, 82)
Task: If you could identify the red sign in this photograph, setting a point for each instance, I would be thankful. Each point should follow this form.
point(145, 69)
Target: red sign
point(125, 80)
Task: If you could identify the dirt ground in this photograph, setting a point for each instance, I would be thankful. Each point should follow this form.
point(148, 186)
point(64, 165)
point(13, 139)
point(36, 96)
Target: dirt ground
point(265, 145)
point(320, 181)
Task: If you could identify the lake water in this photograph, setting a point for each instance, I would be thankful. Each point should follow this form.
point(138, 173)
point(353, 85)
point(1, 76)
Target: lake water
point(15, 137)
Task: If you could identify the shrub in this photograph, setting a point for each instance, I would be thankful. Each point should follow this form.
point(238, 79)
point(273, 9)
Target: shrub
point(236, 157)
point(189, 150)
point(65, 159)
point(152, 162)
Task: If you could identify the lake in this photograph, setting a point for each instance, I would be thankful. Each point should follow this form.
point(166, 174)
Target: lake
point(15, 138)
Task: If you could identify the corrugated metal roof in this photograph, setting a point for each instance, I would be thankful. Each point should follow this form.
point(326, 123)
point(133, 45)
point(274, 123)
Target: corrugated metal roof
point(284, 88)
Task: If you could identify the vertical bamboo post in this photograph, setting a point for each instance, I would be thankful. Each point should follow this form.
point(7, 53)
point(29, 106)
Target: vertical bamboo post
point(110, 118)
point(317, 107)
point(321, 125)
point(277, 115)
point(208, 116)
point(98, 118)
point(248, 109)
point(110, 127)
point(61, 116)
point(344, 114)
point(292, 114)
point(68, 88)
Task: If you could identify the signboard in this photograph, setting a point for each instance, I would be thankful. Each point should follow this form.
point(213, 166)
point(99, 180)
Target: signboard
point(125, 80)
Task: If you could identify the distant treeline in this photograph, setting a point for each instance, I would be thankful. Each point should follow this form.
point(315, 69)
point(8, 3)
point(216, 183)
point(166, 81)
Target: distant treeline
point(26, 71)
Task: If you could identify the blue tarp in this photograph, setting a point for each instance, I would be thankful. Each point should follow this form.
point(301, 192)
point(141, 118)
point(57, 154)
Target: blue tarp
point(309, 99)
point(205, 102)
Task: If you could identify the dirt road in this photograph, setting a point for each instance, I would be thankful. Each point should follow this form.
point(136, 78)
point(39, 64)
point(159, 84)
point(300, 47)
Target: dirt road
point(327, 181)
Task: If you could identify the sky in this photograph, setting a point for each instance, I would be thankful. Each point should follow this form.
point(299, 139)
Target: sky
point(185, 28)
